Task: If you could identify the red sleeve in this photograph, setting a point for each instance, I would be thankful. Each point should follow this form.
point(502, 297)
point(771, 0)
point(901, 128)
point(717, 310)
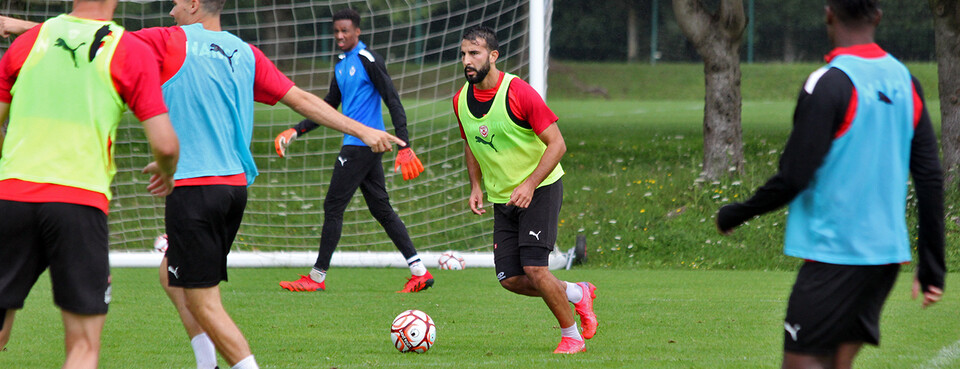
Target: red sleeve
point(13, 60)
point(169, 46)
point(917, 106)
point(456, 97)
point(269, 84)
point(526, 105)
point(136, 77)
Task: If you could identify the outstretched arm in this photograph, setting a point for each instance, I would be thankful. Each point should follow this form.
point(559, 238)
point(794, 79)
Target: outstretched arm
point(317, 110)
point(13, 26)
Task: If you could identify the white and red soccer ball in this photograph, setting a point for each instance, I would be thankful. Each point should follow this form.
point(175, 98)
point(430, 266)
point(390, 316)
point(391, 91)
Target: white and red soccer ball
point(160, 244)
point(413, 331)
point(451, 260)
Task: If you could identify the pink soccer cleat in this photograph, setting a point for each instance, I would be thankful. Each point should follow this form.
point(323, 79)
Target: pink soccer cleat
point(585, 309)
point(569, 345)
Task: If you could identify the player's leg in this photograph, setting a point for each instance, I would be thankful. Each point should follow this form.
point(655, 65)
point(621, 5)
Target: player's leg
point(21, 260)
point(374, 192)
point(202, 224)
point(203, 349)
point(82, 338)
point(348, 172)
point(6, 324)
point(205, 304)
point(832, 310)
point(846, 352)
point(76, 238)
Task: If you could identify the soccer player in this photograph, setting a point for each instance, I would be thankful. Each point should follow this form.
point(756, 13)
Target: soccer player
point(860, 128)
point(513, 146)
point(360, 81)
point(64, 86)
point(210, 81)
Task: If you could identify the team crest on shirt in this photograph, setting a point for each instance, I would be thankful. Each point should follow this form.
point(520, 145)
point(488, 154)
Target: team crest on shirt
point(353, 70)
point(484, 131)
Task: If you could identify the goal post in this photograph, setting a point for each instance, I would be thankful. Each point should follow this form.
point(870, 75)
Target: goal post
point(420, 42)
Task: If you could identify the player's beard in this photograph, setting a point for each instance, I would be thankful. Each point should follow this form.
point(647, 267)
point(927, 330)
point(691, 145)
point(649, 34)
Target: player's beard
point(480, 74)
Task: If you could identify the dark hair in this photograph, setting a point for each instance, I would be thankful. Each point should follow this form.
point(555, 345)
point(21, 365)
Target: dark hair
point(348, 13)
point(855, 11)
point(485, 33)
point(212, 6)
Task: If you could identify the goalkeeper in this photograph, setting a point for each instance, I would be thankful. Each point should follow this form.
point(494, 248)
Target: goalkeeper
point(360, 81)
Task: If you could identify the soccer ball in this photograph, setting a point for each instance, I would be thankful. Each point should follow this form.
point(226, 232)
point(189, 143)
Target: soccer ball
point(413, 331)
point(451, 260)
point(160, 244)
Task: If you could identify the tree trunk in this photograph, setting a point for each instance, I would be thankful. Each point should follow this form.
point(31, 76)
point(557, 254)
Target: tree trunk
point(946, 26)
point(716, 36)
point(633, 32)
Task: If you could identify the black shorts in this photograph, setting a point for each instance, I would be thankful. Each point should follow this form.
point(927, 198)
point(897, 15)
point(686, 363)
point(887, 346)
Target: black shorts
point(69, 239)
point(833, 304)
point(202, 222)
point(525, 237)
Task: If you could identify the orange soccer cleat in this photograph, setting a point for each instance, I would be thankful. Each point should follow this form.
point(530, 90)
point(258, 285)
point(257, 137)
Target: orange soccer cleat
point(417, 284)
point(304, 284)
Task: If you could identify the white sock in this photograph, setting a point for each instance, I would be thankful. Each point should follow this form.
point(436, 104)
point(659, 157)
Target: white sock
point(247, 363)
point(416, 266)
point(571, 332)
point(574, 292)
point(318, 275)
point(204, 351)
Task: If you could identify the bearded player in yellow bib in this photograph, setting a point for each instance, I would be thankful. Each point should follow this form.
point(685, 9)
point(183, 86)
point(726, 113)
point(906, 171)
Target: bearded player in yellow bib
point(513, 146)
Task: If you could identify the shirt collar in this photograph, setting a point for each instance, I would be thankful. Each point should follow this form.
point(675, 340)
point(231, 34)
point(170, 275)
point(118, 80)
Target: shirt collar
point(868, 51)
point(356, 49)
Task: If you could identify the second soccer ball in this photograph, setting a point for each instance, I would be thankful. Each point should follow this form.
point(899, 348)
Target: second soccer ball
point(451, 260)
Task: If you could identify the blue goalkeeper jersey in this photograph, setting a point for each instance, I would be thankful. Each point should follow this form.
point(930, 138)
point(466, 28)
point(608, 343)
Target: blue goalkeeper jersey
point(361, 100)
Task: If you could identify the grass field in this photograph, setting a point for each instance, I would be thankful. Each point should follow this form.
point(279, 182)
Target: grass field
point(648, 319)
point(673, 293)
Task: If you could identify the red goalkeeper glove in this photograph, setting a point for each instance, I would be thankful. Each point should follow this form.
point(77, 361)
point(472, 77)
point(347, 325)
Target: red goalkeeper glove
point(408, 163)
point(283, 140)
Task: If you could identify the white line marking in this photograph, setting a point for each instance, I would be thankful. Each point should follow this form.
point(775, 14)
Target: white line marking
point(945, 357)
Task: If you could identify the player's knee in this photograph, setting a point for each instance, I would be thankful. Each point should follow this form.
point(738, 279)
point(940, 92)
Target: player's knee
point(511, 284)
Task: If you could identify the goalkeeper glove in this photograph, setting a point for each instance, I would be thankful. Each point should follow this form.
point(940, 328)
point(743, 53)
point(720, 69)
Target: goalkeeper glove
point(408, 163)
point(283, 140)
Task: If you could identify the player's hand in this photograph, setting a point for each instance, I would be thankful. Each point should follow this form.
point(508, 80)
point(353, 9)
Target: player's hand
point(476, 202)
point(283, 141)
point(161, 183)
point(380, 141)
point(522, 195)
point(930, 297)
point(408, 163)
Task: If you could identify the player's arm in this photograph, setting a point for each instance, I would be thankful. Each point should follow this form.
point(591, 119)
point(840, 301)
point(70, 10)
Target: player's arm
point(821, 110)
point(4, 113)
point(556, 147)
point(166, 152)
point(315, 109)
point(136, 77)
point(928, 182)
point(13, 26)
point(406, 162)
point(285, 138)
point(377, 70)
point(476, 176)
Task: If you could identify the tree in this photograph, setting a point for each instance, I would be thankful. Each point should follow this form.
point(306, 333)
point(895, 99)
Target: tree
point(946, 23)
point(716, 36)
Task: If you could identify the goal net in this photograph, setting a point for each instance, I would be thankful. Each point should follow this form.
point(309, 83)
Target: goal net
point(420, 40)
